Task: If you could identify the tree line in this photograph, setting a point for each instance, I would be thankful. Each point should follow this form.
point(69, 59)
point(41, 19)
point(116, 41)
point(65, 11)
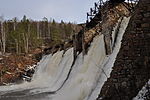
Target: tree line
point(21, 36)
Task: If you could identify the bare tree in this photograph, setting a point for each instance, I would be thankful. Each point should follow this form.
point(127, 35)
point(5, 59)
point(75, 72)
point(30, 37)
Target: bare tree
point(14, 23)
point(3, 38)
point(49, 31)
point(38, 30)
point(17, 46)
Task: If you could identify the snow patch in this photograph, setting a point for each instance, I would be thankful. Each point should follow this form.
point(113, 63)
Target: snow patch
point(143, 93)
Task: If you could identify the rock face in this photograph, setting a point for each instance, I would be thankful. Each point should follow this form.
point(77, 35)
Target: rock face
point(132, 67)
point(110, 18)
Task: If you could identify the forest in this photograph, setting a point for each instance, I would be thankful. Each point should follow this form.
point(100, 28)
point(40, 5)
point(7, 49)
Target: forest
point(22, 36)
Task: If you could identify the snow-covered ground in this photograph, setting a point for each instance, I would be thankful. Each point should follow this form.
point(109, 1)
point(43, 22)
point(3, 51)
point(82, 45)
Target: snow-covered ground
point(143, 93)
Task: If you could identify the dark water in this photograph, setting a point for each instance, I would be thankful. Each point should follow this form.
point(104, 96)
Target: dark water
point(25, 95)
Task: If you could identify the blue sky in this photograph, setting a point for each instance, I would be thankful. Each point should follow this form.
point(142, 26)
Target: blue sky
point(67, 10)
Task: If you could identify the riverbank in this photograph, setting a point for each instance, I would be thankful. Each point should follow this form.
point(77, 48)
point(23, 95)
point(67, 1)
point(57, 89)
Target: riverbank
point(13, 67)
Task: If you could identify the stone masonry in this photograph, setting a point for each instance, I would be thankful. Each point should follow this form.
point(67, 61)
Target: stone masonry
point(131, 70)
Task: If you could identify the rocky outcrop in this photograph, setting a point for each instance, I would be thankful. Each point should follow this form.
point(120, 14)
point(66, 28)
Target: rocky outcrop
point(132, 66)
point(110, 18)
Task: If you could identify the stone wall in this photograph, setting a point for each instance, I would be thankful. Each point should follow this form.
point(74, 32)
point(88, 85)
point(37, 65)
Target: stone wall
point(132, 67)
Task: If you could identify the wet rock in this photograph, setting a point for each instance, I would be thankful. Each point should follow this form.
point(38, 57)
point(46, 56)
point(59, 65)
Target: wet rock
point(29, 71)
point(38, 56)
point(124, 84)
point(48, 50)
